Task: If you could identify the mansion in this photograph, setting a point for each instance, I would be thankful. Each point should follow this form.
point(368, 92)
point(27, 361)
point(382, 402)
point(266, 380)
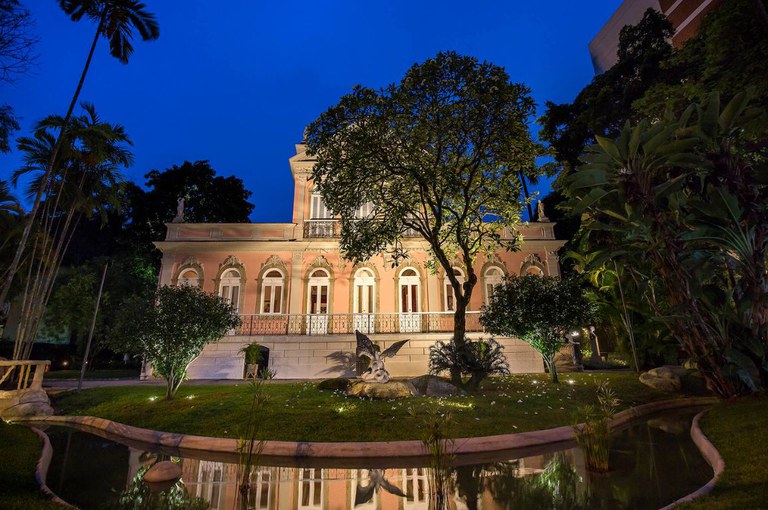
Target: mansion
point(299, 298)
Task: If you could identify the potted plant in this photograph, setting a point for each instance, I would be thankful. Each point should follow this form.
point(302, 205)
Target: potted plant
point(253, 357)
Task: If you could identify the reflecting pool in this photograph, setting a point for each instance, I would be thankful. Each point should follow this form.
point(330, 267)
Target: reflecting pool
point(653, 463)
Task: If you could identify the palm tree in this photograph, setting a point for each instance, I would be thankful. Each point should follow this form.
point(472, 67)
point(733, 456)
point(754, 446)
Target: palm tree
point(116, 21)
point(85, 179)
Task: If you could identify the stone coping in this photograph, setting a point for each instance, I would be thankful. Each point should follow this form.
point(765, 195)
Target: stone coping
point(710, 454)
point(41, 469)
point(356, 450)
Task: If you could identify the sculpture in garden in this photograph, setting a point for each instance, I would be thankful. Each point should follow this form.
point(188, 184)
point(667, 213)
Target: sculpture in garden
point(376, 481)
point(376, 371)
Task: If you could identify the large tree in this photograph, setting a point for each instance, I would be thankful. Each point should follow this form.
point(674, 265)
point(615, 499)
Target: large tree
point(208, 198)
point(437, 156)
point(603, 106)
point(17, 44)
point(116, 21)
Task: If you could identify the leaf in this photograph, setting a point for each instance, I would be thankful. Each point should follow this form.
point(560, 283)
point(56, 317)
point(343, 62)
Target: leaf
point(610, 148)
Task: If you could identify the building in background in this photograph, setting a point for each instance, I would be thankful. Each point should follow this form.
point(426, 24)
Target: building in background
point(302, 300)
point(685, 16)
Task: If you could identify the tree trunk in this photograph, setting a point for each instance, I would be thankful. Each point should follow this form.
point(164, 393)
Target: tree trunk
point(13, 268)
point(526, 194)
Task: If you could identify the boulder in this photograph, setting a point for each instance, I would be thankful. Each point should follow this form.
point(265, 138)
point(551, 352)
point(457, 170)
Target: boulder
point(163, 472)
point(668, 371)
point(24, 404)
point(433, 386)
point(667, 384)
point(27, 410)
point(387, 390)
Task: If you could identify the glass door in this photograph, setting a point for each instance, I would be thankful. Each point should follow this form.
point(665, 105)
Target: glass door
point(317, 303)
point(410, 319)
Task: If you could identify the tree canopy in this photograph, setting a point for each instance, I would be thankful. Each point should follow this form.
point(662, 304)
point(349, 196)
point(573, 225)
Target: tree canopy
point(433, 157)
point(540, 310)
point(727, 54)
point(172, 330)
point(208, 198)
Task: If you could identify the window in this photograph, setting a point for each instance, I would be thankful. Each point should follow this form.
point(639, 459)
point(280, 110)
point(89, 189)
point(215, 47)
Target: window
point(493, 276)
point(449, 293)
point(364, 290)
point(364, 211)
point(229, 288)
point(310, 489)
point(272, 292)
point(189, 278)
point(319, 211)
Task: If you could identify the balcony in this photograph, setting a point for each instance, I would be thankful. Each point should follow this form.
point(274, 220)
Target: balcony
point(347, 323)
point(321, 228)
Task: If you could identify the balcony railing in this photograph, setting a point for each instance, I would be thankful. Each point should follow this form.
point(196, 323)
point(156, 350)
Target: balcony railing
point(332, 228)
point(347, 323)
point(322, 228)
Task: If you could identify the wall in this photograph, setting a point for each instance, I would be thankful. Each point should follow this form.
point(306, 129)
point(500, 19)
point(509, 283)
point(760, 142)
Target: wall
point(318, 357)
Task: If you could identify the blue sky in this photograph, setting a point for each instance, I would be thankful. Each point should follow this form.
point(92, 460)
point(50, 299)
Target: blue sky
point(236, 82)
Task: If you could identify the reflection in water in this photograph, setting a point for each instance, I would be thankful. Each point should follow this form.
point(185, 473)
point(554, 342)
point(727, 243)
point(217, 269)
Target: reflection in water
point(653, 463)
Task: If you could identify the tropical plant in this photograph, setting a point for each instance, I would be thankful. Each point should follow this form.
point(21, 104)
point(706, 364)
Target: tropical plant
point(477, 359)
point(171, 331)
point(86, 179)
point(116, 21)
point(252, 353)
point(593, 428)
point(684, 199)
point(539, 310)
point(434, 157)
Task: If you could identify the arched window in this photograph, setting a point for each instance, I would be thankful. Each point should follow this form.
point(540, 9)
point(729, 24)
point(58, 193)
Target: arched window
point(189, 278)
point(449, 295)
point(318, 299)
point(363, 300)
point(229, 287)
point(534, 270)
point(410, 300)
point(272, 292)
point(493, 276)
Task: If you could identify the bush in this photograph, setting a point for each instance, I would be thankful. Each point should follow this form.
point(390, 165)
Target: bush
point(477, 359)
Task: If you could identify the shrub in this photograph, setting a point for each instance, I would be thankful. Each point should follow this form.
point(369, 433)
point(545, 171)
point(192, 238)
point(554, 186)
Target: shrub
point(477, 359)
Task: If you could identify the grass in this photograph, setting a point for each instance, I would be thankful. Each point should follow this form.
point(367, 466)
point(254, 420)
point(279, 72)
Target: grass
point(19, 450)
point(93, 374)
point(301, 412)
point(738, 430)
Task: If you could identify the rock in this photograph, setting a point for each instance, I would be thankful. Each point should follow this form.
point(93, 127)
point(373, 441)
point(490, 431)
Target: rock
point(35, 396)
point(24, 404)
point(27, 410)
point(668, 384)
point(433, 386)
point(337, 384)
point(163, 472)
point(668, 371)
point(391, 389)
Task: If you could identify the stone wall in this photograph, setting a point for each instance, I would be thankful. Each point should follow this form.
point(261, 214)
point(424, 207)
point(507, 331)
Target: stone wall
point(318, 357)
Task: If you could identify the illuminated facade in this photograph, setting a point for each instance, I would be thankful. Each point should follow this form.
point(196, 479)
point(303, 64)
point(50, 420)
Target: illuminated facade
point(299, 298)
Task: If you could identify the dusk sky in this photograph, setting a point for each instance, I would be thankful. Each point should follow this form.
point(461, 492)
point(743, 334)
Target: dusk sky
point(236, 82)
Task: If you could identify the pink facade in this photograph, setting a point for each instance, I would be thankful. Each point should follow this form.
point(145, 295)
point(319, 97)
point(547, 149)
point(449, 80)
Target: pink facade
point(290, 279)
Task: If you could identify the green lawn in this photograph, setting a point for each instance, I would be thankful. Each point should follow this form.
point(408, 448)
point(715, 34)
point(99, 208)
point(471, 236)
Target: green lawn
point(739, 430)
point(19, 450)
point(301, 412)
